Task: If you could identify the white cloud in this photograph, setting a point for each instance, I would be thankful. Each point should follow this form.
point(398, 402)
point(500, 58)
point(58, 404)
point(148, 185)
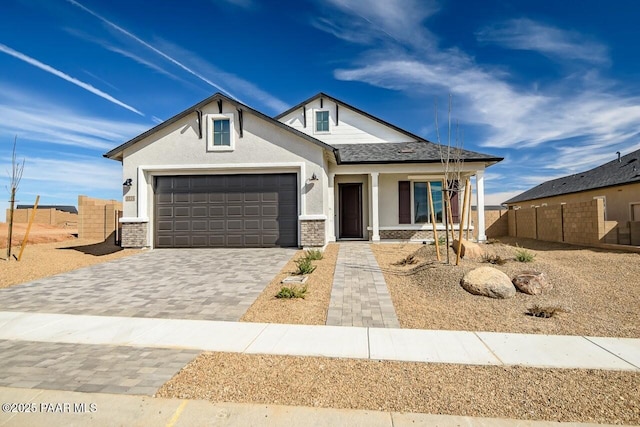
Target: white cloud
point(34, 118)
point(525, 34)
point(49, 69)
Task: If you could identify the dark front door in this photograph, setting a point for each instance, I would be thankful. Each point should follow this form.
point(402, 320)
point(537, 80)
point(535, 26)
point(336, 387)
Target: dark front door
point(351, 211)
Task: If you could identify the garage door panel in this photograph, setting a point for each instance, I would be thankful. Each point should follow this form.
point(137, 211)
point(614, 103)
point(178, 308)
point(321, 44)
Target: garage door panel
point(181, 198)
point(182, 211)
point(199, 212)
point(250, 210)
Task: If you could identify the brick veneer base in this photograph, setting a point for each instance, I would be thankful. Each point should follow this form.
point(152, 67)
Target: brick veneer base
point(134, 234)
point(312, 233)
point(409, 234)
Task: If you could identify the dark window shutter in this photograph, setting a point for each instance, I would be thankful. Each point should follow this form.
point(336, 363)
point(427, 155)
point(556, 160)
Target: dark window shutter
point(404, 202)
point(455, 206)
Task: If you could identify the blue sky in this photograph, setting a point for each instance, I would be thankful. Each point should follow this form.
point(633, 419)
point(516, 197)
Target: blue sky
point(552, 86)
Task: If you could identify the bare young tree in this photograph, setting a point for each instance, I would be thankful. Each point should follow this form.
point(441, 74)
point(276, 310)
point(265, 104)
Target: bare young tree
point(452, 164)
point(15, 175)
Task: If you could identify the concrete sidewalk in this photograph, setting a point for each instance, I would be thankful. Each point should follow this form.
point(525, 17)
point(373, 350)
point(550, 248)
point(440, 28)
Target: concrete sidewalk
point(64, 408)
point(460, 347)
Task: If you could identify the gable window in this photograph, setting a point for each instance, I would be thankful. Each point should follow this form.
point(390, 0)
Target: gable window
point(220, 132)
point(421, 210)
point(322, 121)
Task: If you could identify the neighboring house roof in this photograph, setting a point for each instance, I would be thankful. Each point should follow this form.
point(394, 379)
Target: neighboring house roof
point(69, 209)
point(351, 107)
point(404, 152)
point(116, 153)
point(626, 170)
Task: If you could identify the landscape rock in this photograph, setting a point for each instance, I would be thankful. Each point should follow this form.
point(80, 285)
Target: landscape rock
point(532, 282)
point(468, 249)
point(489, 282)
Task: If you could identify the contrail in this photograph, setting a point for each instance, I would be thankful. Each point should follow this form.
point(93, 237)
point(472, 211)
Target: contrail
point(51, 70)
point(147, 45)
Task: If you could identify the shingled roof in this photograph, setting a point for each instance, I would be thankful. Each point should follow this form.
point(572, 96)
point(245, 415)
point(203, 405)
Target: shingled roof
point(616, 172)
point(402, 152)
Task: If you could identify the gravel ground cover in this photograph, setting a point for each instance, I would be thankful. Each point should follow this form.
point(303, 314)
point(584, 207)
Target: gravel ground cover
point(47, 259)
point(597, 289)
point(568, 395)
point(39, 233)
point(312, 310)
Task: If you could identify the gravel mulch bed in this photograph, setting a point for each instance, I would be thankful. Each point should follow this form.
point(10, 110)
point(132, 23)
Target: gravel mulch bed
point(598, 289)
point(568, 395)
point(312, 310)
point(47, 259)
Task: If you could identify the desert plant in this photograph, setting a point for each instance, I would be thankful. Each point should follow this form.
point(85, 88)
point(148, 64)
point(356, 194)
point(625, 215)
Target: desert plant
point(523, 255)
point(408, 260)
point(494, 259)
point(292, 292)
point(441, 241)
point(544, 312)
point(304, 266)
point(314, 254)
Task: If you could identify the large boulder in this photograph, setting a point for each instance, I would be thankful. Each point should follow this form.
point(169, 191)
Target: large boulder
point(532, 282)
point(489, 282)
point(468, 250)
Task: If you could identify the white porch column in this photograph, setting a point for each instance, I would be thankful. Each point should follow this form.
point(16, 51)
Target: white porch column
point(480, 205)
point(375, 217)
point(331, 216)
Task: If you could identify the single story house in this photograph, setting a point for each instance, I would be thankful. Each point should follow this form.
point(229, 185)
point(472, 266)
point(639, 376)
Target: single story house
point(222, 174)
point(616, 182)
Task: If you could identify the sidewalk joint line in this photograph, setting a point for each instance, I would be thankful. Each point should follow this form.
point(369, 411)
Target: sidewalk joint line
point(266, 325)
point(610, 352)
point(488, 348)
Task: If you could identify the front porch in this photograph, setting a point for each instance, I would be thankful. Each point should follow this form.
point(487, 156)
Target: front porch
point(392, 203)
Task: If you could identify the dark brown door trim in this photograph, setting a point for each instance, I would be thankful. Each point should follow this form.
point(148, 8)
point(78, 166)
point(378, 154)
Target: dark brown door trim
point(350, 200)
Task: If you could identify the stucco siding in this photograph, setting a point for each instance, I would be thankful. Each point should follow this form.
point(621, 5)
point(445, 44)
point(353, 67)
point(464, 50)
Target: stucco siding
point(351, 128)
point(263, 148)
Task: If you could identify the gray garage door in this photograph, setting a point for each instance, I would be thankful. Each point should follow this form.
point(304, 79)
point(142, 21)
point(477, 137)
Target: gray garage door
point(226, 211)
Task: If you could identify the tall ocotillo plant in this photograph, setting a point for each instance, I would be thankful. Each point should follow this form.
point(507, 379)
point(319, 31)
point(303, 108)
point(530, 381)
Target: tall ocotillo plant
point(15, 175)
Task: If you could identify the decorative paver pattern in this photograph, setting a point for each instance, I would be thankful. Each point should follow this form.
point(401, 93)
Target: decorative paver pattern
point(360, 296)
point(200, 284)
point(89, 368)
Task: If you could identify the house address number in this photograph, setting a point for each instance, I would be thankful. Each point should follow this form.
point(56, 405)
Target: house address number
point(129, 198)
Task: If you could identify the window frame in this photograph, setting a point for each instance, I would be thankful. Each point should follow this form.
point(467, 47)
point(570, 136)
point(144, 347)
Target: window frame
point(315, 121)
point(413, 206)
point(211, 119)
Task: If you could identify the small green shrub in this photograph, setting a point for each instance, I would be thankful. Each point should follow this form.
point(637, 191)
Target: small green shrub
point(494, 259)
point(304, 266)
point(523, 255)
point(314, 254)
point(441, 241)
point(292, 292)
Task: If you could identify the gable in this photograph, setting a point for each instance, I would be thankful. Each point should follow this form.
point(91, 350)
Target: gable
point(347, 124)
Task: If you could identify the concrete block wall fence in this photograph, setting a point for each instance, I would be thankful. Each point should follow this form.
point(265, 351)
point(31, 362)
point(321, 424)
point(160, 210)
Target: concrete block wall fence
point(97, 218)
point(45, 216)
point(579, 223)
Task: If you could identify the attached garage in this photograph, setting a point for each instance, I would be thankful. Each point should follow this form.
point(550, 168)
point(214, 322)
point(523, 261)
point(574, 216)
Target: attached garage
point(244, 210)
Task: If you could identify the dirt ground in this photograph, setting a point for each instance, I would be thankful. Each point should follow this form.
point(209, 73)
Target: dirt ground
point(39, 233)
point(597, 288)
point(65, 252)
point(569, 395)
point(312, 310)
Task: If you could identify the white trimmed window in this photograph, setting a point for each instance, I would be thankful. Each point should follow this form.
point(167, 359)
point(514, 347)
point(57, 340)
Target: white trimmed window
point(220, 132)
point(322, 121)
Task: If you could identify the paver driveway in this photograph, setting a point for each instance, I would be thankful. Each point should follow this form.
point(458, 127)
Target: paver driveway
point(203, 284)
